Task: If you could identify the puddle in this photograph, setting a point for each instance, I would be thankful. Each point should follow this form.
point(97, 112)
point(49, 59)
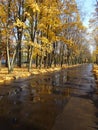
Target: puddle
point(35, 103)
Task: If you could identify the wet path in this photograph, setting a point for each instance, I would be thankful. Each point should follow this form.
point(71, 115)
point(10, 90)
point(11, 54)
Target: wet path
point(64, 100)
point(81, 112)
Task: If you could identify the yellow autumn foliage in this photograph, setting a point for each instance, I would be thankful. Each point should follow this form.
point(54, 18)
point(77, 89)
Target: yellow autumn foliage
point(32, 6)
point(3, 15)
point(19, 24)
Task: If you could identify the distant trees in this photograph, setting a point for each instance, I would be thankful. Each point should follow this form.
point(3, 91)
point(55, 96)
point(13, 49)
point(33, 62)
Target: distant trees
point(47, 33)
point(94, 26)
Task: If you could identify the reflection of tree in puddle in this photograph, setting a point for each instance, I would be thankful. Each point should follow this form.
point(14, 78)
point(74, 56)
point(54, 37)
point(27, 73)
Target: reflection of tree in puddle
point(58, 83)
point(42, 89)
point(34, 96)
point(45, 97)
point(42, 86)
point(59, 78)
point(37, 103)
point(46, 85)
point(59, 91)
point(40, 80)
point(37, 86)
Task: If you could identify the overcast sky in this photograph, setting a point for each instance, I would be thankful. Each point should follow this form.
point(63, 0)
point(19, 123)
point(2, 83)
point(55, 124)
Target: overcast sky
point(86, 9)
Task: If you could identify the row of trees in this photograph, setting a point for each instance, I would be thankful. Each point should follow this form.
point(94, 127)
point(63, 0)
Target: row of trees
point(44, 32)
point(93, 24)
